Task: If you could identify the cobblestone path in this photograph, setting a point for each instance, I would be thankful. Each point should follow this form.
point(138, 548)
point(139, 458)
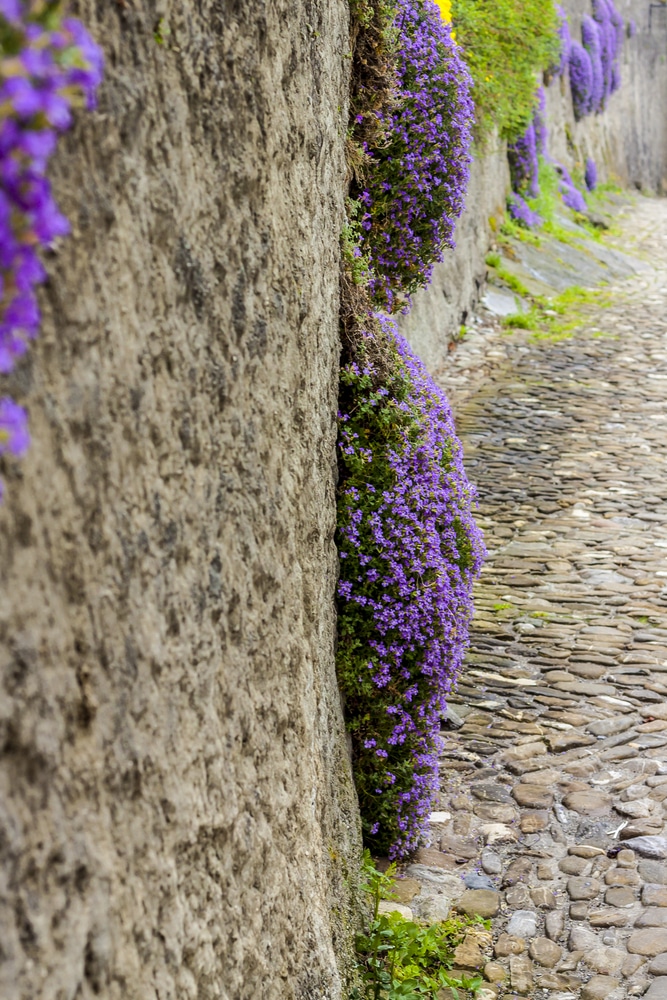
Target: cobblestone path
point(554, 774)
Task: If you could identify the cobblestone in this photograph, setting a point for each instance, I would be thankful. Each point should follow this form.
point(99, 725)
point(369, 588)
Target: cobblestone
point(557, 756)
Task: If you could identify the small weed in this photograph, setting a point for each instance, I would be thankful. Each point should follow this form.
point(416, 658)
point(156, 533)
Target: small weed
point(402, 960)
point(501, 606)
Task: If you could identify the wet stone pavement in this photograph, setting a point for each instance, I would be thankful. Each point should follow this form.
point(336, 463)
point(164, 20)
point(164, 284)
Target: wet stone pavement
point(553, 799)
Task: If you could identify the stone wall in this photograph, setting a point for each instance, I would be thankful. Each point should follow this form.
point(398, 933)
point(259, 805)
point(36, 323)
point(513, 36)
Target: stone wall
point(628, 143)
point(176, 806)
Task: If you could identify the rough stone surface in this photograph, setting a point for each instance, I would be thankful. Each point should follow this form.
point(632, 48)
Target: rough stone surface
point(479, 902)
point(651, 941)
point(545, 952)
point(658, 989)
point(599, 988)
point(176, 803)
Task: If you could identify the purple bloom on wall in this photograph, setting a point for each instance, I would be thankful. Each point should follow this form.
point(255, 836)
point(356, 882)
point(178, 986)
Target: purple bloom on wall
point(591, 176)
point(581, 80)
point(590, 36)
point(50, 70)
point(632, 28)
point(523, 161)
point(571, 195)
point(412, 552)
point(522, 213)
point(14, 436)
point(416, 181)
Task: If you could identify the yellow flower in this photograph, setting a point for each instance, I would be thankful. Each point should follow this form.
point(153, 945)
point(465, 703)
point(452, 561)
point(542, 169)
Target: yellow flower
point(445, 9)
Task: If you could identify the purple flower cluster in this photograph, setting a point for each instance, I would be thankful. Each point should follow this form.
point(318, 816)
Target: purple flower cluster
point(570, 194)
point(49, 64)
point(522, 213)
point(581, 80)
point(632, 28)
point(591, 175)
point(594, 67)
point(523, 160)
point(409, 550)
point(592, 42)
point(416, 181)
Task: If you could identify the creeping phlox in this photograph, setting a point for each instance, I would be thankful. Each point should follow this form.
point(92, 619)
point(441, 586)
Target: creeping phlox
point(48, 66)
point(594, 66)
point(409, 551)
point(415, 182)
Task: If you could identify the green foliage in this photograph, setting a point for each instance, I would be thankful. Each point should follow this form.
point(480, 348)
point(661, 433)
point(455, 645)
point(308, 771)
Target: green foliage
point(505, 44)
point(544, 316)
point(400, 959)
point(356, 263)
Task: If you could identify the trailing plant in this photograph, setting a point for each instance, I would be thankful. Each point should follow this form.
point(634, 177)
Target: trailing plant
point(409, 551)
point(402, 960)
point(594, 66)
point(505, 44)
point(49, 65)
point(412, 149)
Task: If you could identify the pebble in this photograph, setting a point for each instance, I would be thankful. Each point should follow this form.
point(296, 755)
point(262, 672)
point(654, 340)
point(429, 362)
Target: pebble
point(583, 888)
point(608, 918)
point(495, 972)
point(507, 944)
point(554, 923)
point(620, 897)
point(606, 961)
point(599, 988)
point(658, 989)
point(543, 897)
point(650, 941)
point(479, 903)
point(654, 895)
point(533, 796)
point(658, 966)
point(649, 846)
point(521, 973)
point(523, 924)
point(653, 871)
point(587, 803)
point(491, 863)
point(652, 917)
point(476, 881)
point(575, 866)
point(545, 952)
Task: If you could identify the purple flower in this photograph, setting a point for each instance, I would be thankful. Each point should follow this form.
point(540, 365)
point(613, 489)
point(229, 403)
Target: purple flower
point(523, 161)
point(417, 180)
point(14, 436)
point(412, 552)
point(581, 80)
point(592, 42)
point(522, 213)
point(632, 28)
point(39, 83)
point(591, 176)
point(571, 195)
